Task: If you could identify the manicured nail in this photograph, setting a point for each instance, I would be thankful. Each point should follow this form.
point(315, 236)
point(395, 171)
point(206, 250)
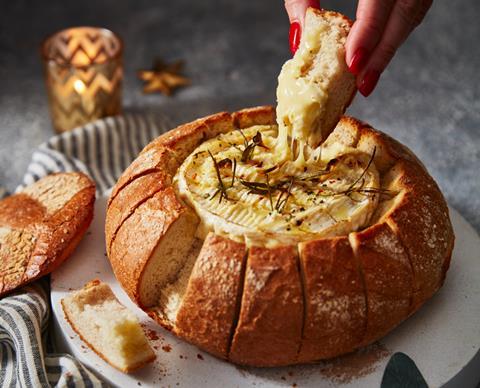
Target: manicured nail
point(369, 82)
point(294, 36)
point(359, 60)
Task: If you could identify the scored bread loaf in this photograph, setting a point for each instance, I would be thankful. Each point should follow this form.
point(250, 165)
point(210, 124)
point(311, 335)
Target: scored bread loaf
point(41, 225)
point(107, 327)
point(267, 307)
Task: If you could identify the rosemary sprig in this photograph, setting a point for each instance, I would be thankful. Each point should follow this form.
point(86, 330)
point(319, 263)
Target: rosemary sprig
point(221, 187)
point(250, 146)
point(269, 192)
point(282, 202)
point(256, 187)
point(234, 170)
point(270, 169)
point(245, 141)
point(364, 171)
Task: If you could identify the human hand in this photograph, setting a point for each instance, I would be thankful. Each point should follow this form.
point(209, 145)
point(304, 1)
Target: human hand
point(381, 26)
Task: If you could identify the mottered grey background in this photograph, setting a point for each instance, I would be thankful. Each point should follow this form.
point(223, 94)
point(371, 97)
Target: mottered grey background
point(429, 98)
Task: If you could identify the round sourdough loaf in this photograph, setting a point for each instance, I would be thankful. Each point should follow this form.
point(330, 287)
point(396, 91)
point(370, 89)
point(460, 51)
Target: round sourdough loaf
point(282, 305)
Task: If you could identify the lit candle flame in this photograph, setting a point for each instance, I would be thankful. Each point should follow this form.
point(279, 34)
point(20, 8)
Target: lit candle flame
point(79, 86)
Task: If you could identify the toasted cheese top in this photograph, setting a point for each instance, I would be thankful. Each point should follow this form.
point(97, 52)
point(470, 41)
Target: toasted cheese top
point(239, 190)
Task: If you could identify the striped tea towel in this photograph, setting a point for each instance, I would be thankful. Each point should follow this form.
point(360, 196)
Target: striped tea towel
point(102, 149)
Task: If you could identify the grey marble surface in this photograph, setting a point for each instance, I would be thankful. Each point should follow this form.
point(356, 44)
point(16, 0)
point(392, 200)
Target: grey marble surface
point(429, 98)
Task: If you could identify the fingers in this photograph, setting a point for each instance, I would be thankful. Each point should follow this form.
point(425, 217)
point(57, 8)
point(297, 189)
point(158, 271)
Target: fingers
point(373, 40)
point(296, 9)
point(296, 13)
point(366, 32)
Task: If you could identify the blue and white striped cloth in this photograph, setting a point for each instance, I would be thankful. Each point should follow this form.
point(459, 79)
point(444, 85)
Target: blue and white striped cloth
point(102, 149)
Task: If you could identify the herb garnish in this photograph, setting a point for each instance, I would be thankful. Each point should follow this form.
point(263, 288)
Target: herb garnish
point(250, 146)
point(363, 172)
point(282, 202)
point(234, 170)
point(221, 187)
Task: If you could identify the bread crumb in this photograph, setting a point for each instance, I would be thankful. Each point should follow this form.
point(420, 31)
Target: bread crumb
point(167, 348)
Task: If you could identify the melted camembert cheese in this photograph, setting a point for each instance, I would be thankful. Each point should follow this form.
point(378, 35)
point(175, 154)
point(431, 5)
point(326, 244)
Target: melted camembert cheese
point(266, 203)
point(266, 185)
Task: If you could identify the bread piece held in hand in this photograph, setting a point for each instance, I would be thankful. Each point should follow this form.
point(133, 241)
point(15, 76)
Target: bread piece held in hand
point(41, 225)
point(106, 326)
point(315, 86)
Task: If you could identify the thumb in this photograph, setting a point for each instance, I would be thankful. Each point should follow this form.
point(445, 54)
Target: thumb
point(296, 9)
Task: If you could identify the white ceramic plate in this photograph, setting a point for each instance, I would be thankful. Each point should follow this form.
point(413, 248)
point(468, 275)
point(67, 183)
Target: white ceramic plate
point(442, 338)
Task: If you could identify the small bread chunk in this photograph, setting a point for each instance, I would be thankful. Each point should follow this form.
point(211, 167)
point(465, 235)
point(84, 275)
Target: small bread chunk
point(41, 225)
point(107, 327)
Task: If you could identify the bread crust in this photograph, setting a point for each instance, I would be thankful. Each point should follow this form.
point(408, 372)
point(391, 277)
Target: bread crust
point(422, 223)
point(148, 224)
point(343, 292)
point(42, 225)
point(335, 299)
point(210, 304)
point(387, 276)
point(269, 327)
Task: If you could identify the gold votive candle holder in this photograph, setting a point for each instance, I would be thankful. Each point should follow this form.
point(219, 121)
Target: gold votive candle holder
point(83, 75)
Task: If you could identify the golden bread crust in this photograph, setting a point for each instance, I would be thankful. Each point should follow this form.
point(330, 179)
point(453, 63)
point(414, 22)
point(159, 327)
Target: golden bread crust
point(269, 326)
point(41, 226)
point(335, 302)
point(147, 224)
point(297, 304)
point(208, 312)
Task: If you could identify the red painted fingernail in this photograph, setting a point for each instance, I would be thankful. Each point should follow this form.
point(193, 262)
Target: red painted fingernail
point(359, 60)
point(294, 36)
point(369, 82)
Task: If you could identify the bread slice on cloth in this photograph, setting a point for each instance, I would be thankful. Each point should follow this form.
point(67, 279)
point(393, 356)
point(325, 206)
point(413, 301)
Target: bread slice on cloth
point(41, 225)
point(107, 327)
